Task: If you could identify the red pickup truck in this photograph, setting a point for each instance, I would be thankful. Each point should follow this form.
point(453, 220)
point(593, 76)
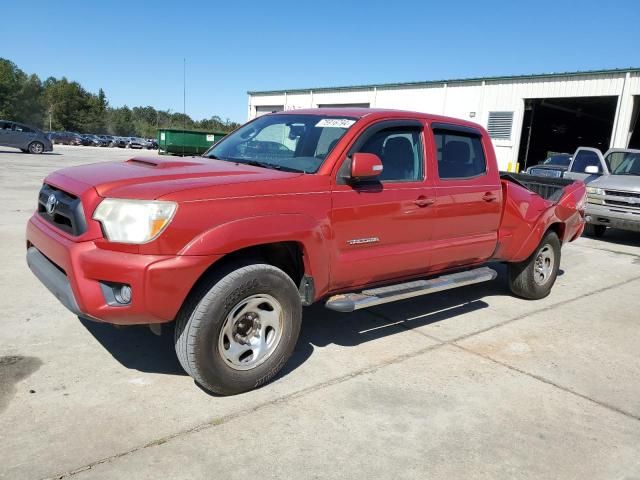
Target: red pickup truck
point(355, 207)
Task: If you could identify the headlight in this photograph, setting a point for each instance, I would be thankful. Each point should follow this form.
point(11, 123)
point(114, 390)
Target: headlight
point(595, 191)
point(133, 221)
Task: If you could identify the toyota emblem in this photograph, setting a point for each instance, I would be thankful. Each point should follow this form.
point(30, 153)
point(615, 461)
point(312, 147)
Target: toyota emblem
point(52, 203)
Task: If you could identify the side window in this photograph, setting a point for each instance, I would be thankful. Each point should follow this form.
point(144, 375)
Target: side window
point(22, 128)
point(459, 155)
point(584, 159)
point(400, 150)
point(6, 126)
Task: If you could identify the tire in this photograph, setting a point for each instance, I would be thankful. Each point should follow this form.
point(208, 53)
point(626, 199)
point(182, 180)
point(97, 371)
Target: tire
point(592, 230)
point(534, 277)
point(36, 147)
point(235, 302)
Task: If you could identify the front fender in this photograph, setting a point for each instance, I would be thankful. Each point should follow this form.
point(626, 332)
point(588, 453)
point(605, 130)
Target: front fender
point(252, 231)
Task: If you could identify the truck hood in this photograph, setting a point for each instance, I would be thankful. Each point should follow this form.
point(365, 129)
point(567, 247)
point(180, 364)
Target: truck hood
point(148, 178)
point(627, 183)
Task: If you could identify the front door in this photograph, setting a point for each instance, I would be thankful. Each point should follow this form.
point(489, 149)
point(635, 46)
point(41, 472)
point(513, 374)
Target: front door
point(583, 158)
point(468, 197)
point(382, 228)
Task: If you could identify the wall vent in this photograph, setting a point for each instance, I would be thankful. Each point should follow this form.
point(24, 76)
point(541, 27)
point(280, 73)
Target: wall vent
point(500, 124)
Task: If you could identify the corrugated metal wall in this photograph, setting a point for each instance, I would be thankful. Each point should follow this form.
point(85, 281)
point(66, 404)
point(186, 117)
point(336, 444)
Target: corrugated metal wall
point(474, 99)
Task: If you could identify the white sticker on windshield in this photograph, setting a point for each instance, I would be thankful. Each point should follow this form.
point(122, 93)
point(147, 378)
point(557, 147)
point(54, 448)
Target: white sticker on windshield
point(335, 122)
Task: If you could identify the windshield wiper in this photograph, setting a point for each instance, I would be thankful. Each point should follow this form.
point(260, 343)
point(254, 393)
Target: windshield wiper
point(272, 166)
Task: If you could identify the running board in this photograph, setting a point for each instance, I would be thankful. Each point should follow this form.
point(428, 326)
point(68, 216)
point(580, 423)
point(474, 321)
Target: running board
point(349, 302)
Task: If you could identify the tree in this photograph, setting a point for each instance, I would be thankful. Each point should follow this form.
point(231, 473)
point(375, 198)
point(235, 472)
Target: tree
point(66, 105)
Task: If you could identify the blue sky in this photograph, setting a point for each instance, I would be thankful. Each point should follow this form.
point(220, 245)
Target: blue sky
point(135, 50)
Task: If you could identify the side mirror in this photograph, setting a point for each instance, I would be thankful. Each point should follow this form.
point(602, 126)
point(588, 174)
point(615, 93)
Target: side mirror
point(365, 166)
point(592, 170)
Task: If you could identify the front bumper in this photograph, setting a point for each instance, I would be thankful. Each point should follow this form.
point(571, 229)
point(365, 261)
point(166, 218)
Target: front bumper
point(615, 218)
point(76, 272)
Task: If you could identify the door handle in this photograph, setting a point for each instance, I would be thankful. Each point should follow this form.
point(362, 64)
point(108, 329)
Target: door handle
point(424, 201)
point(489, 197)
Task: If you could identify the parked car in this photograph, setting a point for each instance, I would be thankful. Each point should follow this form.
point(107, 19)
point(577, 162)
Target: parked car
point(613, 198)
point(89, 140)
point(108, 140)
point(121, 142)
point(150, 143)
point(67, 138)
point(135, 142)
point(100, 141)
point(232, 245)
point(554, 166)
point(26, 138)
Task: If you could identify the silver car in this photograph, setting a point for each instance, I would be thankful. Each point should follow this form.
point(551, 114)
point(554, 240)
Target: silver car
point(27, 139)
point(613, 199)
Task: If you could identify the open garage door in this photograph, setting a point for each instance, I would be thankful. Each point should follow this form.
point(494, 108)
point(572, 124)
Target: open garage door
point(560, 125)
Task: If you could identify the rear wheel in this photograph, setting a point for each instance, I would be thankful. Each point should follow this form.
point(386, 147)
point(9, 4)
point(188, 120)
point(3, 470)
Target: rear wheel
point(534, 277)
point(238, 330)
point(594, 230)
point(36, 147)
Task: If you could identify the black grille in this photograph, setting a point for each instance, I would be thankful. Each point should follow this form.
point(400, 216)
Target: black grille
point(615, 193)
point(621, 203)
point(67, 214)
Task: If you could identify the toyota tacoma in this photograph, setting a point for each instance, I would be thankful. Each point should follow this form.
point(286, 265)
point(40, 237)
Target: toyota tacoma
point(351, 207)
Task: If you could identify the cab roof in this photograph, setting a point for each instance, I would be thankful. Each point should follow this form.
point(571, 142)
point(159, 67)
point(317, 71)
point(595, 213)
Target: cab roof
point(377, 113)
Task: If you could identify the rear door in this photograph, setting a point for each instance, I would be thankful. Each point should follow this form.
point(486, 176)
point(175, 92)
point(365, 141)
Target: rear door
point(468, 197)
point(583, 158)
point(382, 228)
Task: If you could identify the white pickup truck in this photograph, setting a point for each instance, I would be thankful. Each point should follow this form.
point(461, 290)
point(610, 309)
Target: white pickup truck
point(613, 188)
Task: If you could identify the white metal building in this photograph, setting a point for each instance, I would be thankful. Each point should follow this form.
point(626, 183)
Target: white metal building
point(527, 116)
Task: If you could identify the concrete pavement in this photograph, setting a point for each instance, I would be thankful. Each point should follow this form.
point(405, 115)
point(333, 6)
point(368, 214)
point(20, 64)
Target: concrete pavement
point(472, 383)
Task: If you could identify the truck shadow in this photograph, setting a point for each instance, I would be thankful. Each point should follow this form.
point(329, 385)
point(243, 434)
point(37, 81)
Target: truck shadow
point(618, 237)
point(137, 348)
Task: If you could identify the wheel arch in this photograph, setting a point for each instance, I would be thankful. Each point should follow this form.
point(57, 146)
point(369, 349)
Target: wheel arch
point(288, 256)
point(276, 238)
point(560, 229)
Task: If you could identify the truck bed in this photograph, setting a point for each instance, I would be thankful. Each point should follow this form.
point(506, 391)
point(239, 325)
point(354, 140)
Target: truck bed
point(548, 188)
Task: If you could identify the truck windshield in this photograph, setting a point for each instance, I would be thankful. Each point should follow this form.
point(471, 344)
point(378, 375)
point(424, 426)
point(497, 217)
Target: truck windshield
point(290, 142)
point(624, 163)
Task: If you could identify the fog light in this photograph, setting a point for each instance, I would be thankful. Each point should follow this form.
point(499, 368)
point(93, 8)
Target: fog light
point(122, 294)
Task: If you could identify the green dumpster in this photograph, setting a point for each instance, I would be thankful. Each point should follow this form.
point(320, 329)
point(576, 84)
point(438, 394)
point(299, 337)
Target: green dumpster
point(176, 141)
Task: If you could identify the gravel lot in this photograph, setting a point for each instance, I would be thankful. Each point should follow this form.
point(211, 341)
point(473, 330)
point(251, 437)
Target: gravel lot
point(468, 384)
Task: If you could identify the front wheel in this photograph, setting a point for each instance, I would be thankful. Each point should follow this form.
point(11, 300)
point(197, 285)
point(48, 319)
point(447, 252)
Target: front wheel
point(534, 277)
point(238, 330)
point(36, 147)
